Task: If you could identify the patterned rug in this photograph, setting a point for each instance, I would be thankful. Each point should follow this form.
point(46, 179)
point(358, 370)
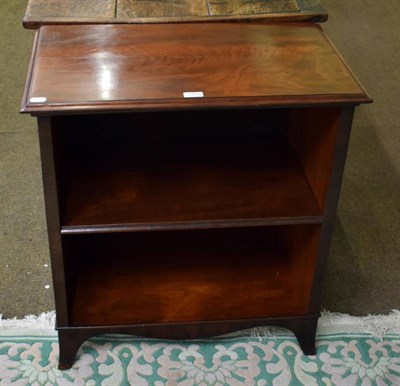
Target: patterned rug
point(350, 351)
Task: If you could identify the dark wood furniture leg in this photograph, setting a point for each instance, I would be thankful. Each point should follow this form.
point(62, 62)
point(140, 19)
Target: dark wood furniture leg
point(305, 332)
point(69, 342)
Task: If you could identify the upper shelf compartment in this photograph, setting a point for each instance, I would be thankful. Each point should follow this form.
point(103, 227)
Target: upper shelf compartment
point(140, 67)
point(188, 185)
point(135, 176)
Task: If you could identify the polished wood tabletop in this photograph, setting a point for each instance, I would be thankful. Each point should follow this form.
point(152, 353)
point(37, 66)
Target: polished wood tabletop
point(131, 67)
point(42, 12)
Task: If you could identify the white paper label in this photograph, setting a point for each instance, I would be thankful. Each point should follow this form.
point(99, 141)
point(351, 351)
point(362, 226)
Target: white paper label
point(193, 94)
point(38, 99)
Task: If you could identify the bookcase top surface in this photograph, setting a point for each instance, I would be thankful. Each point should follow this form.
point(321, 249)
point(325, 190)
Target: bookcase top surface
point(84, 68)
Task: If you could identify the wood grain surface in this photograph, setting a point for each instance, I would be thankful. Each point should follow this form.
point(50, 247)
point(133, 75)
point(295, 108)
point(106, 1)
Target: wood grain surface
point(43, 12)
point(240, 7)
point(186, 276)
point(312, 133)
point(160, 8)
point(202, 184)
point(138, 66)
point(71, 8)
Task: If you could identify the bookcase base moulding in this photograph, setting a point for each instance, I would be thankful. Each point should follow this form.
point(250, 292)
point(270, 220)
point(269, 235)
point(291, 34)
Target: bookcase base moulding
point(186, 217)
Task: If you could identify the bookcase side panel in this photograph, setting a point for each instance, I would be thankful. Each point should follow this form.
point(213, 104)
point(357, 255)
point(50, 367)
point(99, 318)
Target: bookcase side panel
point(51, 197)
point(332, 199)
point(312, 133)
point(301, 243)
point(320, 138)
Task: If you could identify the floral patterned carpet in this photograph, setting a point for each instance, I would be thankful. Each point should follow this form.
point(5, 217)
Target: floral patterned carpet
point(350, 351)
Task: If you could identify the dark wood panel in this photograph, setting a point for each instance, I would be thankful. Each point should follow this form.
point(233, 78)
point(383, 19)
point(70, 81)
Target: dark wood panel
point(148, 66)
point(38, 9)
point(41, 12)
point(341, 143)
point(161, 9)
point(301, 243)
point(312, 133)
point(185, 276)
point(153, 185)
point(229, 7)
point(51, 186)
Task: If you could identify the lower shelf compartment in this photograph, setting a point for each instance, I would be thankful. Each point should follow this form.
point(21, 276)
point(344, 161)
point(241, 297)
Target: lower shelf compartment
point(184, 276)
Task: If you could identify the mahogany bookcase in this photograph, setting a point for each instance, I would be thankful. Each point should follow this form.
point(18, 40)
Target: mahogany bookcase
point(191, 175)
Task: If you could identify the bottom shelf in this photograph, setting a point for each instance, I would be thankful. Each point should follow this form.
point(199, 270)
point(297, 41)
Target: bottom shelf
point(183, 276)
